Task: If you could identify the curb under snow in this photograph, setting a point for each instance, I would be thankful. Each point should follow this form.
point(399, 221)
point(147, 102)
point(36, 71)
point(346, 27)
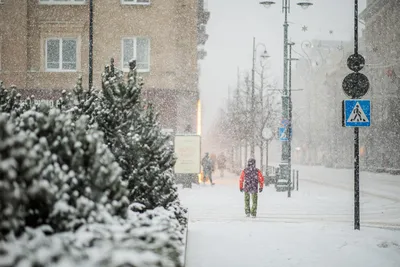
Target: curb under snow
point(185, 241)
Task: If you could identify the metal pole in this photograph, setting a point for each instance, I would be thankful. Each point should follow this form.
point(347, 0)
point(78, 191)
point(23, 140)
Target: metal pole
point(240, 154)
point(232, 158)
point(90, 44)
point(356, 139)
point(290, 119)
point(248, 112)
point(266, 154)
point(297, 180)
point(262, 117)
point(252, 144)
point(285, 171)
point(293, 179)
point(237, 106)
point(356, 180)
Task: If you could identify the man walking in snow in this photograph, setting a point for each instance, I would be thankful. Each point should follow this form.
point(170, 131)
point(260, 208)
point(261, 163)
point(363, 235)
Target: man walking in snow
point(207, 164)
point(253, 182)
point(221, 164)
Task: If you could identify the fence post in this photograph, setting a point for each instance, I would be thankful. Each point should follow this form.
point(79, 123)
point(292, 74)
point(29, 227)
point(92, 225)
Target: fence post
point(297, 180)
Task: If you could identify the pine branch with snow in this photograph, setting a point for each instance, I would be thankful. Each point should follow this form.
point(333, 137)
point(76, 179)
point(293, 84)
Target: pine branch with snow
point(88, 177)
point(135, 138)
point(11, 100)
point(23, 195)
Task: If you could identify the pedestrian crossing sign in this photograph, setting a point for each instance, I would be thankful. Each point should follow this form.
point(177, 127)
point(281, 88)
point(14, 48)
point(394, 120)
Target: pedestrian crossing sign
point(283, 134)
point(357, 113)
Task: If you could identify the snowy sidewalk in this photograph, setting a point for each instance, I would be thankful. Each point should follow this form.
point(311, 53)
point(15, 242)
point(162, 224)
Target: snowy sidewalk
point(313, 228)
point(376, 184)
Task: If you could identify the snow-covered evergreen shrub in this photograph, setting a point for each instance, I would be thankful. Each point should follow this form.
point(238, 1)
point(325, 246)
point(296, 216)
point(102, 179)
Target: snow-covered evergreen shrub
point(80, 102)
point(23, 195)
point(152, 238)
point(11, 101)
point(81, 166)
point(132, 134)
point(135, 138)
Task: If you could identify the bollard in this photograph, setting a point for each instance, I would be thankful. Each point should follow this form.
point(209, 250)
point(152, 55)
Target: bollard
point(297, 180)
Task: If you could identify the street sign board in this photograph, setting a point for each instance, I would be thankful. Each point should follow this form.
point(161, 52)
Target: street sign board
point(283, 134)
point(285, 122)
point(355, 85)
point(188, 152)
point(357, 113)
point(356, 62)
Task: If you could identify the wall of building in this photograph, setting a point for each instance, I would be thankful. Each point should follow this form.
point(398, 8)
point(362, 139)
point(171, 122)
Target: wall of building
point(171, 26)
point(382, 35)
point(14, 34)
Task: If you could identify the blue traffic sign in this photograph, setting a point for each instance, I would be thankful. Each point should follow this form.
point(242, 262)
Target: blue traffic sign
point(285, 122)
point(357, 113)
point(283, 134)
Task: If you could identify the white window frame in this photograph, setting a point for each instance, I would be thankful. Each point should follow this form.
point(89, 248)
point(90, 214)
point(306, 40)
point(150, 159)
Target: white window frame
point(134, 2)
point(60, 69)
point(62, 2)
point(135, 52)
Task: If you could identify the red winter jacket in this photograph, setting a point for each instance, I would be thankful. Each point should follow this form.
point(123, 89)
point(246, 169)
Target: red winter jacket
point(260, 179)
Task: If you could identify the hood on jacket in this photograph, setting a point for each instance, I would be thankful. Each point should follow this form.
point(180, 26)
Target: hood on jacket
point(251, 162)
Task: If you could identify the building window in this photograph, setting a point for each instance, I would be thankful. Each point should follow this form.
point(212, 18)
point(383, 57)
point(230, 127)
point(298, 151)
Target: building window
point(62, 2)
point(135, 2)
point(61, 54)
point(136, 48)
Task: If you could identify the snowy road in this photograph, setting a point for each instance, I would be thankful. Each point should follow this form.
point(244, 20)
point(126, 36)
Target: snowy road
point(317, 219)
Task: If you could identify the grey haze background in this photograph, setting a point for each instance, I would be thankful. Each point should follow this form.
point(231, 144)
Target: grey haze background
point(233, 24)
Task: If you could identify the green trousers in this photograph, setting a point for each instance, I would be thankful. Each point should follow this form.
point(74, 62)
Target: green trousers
point(254, 198)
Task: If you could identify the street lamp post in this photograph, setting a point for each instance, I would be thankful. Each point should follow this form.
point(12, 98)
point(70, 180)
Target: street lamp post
point(90, 44)
point(286, 153)
point(290, 114)
point(253, 115)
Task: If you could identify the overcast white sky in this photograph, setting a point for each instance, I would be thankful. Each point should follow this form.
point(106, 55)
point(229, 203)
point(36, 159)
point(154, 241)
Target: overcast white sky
point(234, 23)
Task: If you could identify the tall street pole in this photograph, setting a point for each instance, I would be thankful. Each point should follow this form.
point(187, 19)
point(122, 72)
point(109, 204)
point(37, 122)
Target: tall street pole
point(262, 116)
point(285, 159)
point(237, 106)
point(252, 126)
point(356, 138)
point(90, 44)
point(290, 120)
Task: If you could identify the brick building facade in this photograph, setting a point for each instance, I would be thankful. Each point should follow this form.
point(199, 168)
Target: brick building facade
point(382, 37)
point(44, 47)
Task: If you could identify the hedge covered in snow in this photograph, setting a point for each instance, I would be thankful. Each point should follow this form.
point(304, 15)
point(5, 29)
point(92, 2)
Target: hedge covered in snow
point(152, 238)
point(88, 183)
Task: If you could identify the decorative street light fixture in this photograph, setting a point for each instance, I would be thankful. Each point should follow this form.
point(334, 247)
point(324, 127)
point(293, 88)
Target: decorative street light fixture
point(285, 165)
point(305, 4)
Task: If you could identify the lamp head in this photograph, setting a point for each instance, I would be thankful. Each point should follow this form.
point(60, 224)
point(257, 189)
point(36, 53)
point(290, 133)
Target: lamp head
point(305, 4)
point(265, 55)
point(267, 4)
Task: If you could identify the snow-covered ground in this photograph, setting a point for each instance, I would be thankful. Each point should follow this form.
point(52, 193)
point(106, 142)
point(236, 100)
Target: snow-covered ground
point(313, 228)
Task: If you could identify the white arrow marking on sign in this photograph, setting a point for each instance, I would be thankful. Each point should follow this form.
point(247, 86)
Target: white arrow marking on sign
point(357, 115)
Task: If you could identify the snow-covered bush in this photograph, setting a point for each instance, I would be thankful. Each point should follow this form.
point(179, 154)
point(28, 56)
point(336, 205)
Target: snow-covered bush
point(132, 133)
point(86, 175)
point(11, 101)
point(23, 195)
point(152, 238)
point(135, 138)
point(58, 171)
